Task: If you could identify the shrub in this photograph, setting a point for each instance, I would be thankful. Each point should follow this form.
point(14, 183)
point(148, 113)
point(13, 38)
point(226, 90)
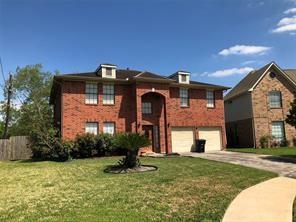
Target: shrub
point(131, 143)
point(89, 145)
point(49, 146)
point(86, 145)
point(264, 141)
point(284, 143)
point(294, 141)
point(107, 145)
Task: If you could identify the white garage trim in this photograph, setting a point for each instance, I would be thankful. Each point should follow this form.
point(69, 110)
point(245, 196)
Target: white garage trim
point(183, 139)
point(213, 137)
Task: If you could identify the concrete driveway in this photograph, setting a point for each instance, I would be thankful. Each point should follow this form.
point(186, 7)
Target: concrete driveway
point(281, 165)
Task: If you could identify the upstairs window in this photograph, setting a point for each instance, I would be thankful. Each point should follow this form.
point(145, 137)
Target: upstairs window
point(91, 93)
point(146, 108)
point(210, 99)
point(183, 78)
point(91, 127)
point(108, 72)
point(108, 94)
point(184, 97)
point(109, 128)
point(275, 99)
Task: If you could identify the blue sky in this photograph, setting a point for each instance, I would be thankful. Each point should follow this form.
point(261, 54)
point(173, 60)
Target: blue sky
point(218, 41)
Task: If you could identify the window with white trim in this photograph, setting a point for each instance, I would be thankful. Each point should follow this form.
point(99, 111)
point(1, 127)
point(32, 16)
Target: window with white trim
point(109, 128)
point(91, 127)
point(108, 71)
point(91, 93)
point(183, 78)
point(275, 99)
point(184, 97)
point(146, 108)
point(210, 99)
point(277, 130)
point(108, 94)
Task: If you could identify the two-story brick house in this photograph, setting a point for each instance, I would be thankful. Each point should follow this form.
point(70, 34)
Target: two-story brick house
point(258, 105)
point(173, 111)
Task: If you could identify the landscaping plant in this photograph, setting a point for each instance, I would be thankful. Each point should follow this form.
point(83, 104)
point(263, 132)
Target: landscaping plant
point(131, 143)
point(49, 148)
point(291, 118)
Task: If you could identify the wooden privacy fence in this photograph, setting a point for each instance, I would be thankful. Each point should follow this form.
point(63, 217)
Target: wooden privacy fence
point(15, 148)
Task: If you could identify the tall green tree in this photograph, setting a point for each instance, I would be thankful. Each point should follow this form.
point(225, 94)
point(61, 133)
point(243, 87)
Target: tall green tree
point(31, 91)
point(291, 117)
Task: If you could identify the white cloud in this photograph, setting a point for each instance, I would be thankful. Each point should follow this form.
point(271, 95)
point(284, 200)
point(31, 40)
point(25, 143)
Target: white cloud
point(287, 21)
point(286, 24)
point(249, 62)
point(245, 50)
point(290, 10)
point(230, 72)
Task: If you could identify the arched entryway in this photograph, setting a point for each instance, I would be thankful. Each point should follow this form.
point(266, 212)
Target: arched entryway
point(153, 120)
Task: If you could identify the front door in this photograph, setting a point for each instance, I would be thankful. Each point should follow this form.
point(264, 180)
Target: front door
point(152, 133)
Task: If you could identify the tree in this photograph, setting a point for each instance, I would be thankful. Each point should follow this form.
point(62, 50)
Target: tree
point(291, 118)
point(131, 142)
point(31, 110)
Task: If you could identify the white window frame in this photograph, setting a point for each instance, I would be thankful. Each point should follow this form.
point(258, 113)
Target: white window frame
point(91, 127)
point(210, 96)
point(184, 97)
point(275, 99)
point(108, 72)
point(109, 128)
point(146, 107)
point(184, 76)
point(278, 130)
point(91, 93)
point(108, 94)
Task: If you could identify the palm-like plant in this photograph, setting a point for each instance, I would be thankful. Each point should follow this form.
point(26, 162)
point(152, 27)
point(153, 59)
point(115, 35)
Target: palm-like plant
point(131, 142)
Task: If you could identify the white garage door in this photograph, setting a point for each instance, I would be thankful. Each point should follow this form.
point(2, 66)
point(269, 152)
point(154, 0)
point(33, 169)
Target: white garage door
point(182, 139)
point(212, 135)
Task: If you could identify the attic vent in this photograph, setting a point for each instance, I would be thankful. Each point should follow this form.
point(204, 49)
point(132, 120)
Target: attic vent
point(272, 75)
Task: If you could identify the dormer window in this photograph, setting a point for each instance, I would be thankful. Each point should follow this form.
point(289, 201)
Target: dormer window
point(183, 77)
point(108, 71)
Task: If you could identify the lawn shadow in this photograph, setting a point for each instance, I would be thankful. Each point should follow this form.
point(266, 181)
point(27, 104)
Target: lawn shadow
point(282, 159)
point(117, 169)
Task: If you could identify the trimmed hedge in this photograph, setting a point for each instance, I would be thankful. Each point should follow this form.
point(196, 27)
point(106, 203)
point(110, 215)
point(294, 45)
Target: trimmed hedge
point(83, 146)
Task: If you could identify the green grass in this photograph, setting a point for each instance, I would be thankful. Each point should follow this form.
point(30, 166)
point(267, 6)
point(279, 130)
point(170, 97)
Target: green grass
point(282, 151)
point(183, 189)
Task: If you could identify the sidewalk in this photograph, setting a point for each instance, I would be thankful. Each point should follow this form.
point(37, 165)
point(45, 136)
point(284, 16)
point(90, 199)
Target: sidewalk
point(269, 201)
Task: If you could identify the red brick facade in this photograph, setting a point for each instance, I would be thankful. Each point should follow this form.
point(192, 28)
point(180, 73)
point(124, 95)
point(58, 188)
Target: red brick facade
point(249, 114)
point(127, 115)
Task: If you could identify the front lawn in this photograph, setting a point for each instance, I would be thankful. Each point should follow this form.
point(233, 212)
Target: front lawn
point(183, 189)
point(281, 151)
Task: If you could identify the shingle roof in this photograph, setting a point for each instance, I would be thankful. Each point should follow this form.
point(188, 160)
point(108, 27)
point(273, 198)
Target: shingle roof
point(207, 84)
point(120, 74)
point(146, 74)
point(251, 79)
point(291, 73)
point(123, 74)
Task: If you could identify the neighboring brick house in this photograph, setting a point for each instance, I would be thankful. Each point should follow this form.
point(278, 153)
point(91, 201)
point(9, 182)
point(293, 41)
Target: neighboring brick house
point(172, 111)
point(258, 105)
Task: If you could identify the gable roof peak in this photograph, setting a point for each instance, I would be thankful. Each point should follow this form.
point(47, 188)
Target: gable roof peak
point(250, 81)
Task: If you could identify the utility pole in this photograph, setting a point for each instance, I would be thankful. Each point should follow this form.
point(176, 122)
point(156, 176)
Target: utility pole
point(9, 93)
